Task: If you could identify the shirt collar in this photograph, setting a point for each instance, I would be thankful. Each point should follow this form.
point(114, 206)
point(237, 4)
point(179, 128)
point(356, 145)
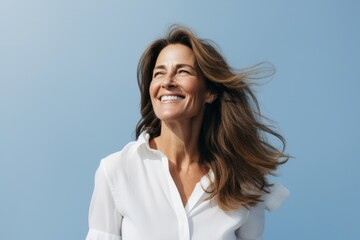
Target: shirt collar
point(144, 139)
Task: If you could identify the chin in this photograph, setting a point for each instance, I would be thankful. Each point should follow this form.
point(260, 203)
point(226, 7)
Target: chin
point(168, 117)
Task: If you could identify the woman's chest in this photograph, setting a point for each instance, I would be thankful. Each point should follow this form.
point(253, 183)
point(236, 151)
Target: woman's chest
point(152, 208)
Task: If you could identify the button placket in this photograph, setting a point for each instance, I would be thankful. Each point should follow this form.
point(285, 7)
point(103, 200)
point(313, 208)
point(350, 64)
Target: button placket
point(183, 223)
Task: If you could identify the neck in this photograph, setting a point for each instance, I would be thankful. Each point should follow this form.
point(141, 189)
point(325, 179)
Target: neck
point(179, 143)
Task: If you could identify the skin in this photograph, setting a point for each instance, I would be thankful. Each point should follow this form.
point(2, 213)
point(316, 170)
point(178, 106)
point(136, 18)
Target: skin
point(181, 119)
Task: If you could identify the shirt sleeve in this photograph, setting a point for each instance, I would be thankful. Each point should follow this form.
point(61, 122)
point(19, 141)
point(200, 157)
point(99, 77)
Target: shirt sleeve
point(104, 219)
point(253, 228)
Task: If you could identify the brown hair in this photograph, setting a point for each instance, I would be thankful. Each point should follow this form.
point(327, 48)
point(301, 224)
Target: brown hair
point(232, 140)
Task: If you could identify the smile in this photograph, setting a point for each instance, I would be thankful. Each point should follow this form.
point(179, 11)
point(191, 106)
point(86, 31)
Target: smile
point(170, 98)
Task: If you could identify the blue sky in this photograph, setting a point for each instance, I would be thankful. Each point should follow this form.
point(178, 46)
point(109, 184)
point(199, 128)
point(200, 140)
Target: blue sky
point(69, 97)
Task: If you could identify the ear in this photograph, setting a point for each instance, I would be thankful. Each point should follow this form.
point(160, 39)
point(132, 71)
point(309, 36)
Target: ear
point(210, 97)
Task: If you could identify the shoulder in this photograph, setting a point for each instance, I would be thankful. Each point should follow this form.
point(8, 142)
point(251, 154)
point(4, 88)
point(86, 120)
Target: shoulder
point(276, 196)
point(253, 226)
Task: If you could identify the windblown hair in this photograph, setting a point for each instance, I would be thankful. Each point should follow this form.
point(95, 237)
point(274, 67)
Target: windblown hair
point(233, 138)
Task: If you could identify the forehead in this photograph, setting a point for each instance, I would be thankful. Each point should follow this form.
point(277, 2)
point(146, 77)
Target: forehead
point(176, 54)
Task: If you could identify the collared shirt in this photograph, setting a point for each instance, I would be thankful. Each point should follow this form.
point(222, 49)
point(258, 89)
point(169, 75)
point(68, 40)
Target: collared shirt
point(136, 198)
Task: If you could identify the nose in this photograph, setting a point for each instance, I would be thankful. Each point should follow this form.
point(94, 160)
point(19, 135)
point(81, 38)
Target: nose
point(169, 82)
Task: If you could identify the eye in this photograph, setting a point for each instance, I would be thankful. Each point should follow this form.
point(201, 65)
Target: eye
point(158, 74)
point(183, 72)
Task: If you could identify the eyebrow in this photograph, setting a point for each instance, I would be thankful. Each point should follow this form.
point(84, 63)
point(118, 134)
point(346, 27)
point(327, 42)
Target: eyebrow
point(177, 66)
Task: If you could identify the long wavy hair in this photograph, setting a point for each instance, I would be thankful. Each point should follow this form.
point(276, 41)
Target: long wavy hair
point(233, 138)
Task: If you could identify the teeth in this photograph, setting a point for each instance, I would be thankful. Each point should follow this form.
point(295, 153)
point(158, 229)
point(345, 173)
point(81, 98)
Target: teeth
point(168, 98)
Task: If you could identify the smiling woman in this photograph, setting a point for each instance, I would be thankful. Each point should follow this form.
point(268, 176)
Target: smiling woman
point(199, 167)
point(177, 92)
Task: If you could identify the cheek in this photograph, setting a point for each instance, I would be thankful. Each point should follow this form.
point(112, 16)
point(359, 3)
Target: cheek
point(199, 91)
point(152, 89)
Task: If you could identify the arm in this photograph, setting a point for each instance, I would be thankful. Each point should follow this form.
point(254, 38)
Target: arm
point(104, 219)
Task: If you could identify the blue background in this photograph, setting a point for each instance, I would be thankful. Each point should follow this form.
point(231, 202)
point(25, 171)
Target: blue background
point(69, 97)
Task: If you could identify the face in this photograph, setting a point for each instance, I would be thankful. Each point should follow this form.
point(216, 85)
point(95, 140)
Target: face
point(177, 91)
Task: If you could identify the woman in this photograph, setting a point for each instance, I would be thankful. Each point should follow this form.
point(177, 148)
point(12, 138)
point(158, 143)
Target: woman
point(198, 168)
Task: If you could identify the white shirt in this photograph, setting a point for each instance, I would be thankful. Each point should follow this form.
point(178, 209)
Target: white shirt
point(135, 198)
